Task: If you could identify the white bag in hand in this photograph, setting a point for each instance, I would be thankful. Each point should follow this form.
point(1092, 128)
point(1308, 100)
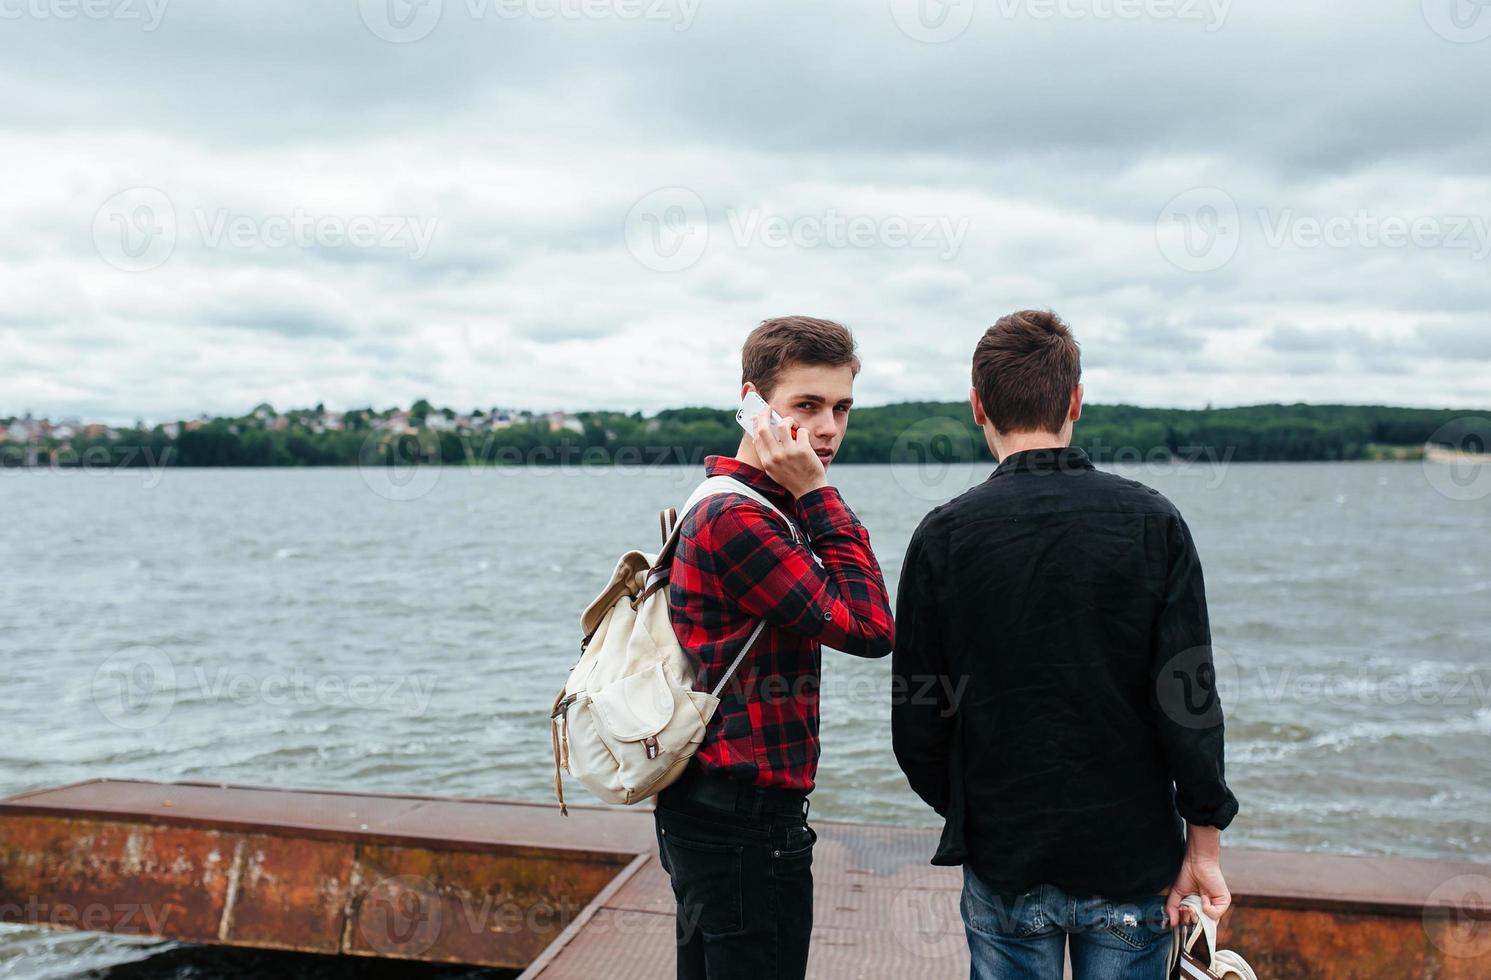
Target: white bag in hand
point(1192, 959)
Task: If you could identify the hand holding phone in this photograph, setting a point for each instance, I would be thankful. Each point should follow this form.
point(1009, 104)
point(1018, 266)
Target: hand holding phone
point(786, 456)
point(751, 406)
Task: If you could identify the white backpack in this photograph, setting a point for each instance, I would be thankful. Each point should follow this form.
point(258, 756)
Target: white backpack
point(629, 719)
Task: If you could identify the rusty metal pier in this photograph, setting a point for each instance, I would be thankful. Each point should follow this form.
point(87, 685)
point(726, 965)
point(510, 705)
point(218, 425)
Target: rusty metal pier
point(513, 885)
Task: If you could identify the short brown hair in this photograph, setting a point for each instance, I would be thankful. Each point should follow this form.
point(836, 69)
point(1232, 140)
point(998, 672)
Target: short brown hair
point(1024, 369)
point(786, 340)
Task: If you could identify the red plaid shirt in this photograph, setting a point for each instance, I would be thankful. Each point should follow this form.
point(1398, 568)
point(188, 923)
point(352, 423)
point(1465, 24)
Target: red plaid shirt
point(736, 564)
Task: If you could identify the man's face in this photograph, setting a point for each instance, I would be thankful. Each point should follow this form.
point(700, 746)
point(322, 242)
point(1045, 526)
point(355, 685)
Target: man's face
point(818, 397)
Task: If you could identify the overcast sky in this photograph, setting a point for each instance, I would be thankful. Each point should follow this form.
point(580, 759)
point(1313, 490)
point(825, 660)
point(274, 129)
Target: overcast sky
point(588, 203)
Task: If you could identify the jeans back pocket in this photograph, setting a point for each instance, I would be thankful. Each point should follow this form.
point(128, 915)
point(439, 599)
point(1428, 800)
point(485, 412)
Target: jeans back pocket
point(986, 911)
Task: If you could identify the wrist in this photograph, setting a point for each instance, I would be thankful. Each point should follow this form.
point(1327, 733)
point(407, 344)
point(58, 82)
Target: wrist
point(1203, 844)
point(802, 491)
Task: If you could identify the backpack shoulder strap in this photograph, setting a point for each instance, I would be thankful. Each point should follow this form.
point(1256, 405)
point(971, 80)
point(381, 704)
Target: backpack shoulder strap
point(671, 522)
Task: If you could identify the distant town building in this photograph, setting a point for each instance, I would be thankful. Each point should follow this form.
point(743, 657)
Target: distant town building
point(560, 421)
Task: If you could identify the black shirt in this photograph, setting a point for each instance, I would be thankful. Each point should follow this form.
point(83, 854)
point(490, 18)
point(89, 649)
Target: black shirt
point(1054, 692)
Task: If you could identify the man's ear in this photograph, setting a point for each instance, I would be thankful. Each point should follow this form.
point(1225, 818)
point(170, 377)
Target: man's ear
point(1074, 412)
point(979, 418)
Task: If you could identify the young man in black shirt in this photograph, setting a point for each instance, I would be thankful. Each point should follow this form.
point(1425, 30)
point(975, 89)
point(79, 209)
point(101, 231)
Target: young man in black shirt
point(1055, 689)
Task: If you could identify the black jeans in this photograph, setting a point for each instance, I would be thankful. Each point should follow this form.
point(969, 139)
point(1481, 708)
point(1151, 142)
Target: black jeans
point(741, 862)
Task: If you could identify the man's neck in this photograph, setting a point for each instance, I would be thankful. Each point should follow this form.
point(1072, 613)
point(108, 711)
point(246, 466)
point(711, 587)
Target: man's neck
point(747, 454)
point(1004, 446)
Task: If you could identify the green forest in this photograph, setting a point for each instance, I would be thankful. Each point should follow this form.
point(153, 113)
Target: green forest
point(906, 432)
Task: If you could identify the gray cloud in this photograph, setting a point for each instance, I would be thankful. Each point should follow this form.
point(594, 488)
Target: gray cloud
point(528, 145)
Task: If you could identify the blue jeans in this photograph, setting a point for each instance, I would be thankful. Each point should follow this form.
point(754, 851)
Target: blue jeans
point(1022, 937)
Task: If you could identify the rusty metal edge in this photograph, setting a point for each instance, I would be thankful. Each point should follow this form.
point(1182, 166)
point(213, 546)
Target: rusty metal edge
point(18, 797)
point(219, 784)
point(1376, 908)
point(557, 852)
point(552, 951)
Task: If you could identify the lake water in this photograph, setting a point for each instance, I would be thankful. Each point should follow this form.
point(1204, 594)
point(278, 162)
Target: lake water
point(364, 631)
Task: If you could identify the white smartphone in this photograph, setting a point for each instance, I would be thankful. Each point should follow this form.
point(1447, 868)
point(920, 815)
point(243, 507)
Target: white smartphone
point(751, 406)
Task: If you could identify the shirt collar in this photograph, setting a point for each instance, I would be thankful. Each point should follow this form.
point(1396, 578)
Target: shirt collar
point(1048, 460)
point(750, 476)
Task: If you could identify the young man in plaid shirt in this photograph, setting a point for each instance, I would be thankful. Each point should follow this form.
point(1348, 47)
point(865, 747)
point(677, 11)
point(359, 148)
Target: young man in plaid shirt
point(732, 832)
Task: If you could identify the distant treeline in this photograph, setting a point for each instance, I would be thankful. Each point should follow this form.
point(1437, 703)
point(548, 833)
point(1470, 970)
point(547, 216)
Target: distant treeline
point(907, 432)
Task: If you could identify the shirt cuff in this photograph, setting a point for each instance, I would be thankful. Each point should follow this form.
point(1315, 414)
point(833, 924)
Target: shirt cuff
point(824, 512)
point(1216, 816)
